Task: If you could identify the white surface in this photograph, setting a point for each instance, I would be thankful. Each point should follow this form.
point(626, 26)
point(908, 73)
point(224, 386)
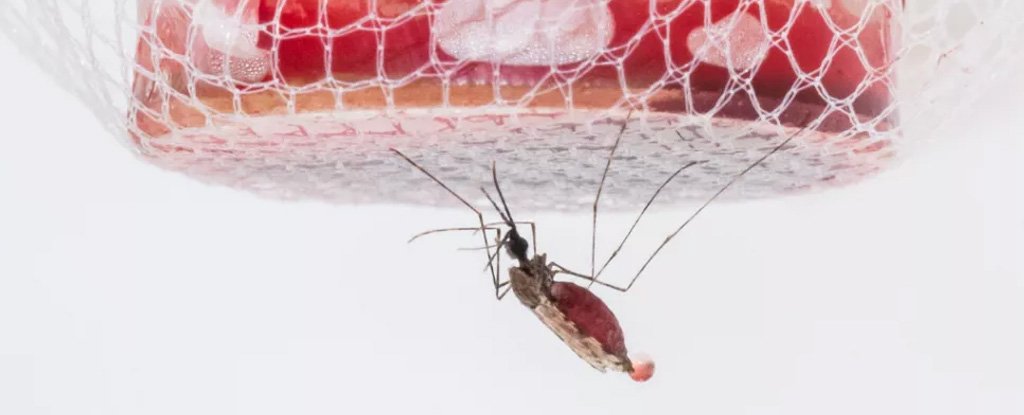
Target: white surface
point(128, 290)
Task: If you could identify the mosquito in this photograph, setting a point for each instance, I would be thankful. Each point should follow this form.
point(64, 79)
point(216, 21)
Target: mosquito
point(575, 314)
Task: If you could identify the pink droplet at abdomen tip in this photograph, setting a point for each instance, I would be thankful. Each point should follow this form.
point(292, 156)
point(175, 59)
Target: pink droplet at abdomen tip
point(643, 368)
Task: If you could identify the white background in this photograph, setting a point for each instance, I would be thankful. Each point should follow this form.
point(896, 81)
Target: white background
point(125, 289)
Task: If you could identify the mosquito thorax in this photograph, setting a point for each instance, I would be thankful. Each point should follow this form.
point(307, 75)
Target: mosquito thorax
point(531, 281)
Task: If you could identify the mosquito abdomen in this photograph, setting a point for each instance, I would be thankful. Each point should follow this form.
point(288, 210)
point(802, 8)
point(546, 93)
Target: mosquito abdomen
point(591, 316)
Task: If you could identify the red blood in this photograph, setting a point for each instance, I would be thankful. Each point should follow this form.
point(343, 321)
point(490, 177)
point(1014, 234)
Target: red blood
point(592, 317)
point(808, 43)
point(360, 45)
point(349, 48)
point(303, 40)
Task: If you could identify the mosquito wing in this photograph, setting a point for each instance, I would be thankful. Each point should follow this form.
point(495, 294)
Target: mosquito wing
point(586, 347)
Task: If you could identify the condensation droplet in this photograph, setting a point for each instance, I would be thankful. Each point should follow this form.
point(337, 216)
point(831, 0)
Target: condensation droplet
point(524, 32)
point(227, 45)
point(738, 41)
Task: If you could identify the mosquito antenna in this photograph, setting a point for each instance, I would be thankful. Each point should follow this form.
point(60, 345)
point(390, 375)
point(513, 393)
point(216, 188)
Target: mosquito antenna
point(517, 246)
point(508, 220)
point(434, 178)
point(479, 215)
point(600, 188)
point(712, 199)
point(512, 226)
point(494, 177)
point(640, 216)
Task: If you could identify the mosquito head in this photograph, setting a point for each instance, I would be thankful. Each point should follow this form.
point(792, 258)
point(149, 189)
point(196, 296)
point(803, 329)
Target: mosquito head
point(517, 247)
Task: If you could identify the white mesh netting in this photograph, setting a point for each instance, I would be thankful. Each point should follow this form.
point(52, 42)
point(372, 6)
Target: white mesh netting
point(302, 98)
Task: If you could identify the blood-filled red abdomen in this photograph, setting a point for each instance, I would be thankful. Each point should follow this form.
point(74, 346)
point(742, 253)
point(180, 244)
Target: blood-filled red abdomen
point(592, 317)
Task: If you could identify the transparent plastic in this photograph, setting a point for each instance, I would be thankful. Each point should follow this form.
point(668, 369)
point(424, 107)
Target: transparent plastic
point(302, 98)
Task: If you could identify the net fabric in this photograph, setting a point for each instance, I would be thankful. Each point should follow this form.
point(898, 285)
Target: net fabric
point(302, 98)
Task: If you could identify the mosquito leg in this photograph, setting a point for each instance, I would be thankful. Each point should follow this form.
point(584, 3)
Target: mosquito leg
point(496, 259)
point(640, 216)
point(479, 216)
point(497, 277)
point(729, 184)
point(533, 235)
point(508, 286)
point(478, 248)
point(434, 231)
point(600, 188)
point(499, 292)
point(558, 269)
point(497, 251)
